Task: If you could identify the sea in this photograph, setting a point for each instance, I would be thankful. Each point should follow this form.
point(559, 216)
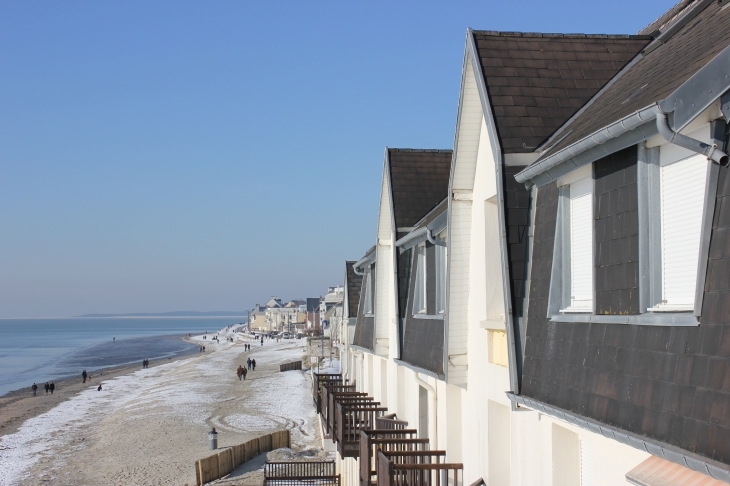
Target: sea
point(40, 350)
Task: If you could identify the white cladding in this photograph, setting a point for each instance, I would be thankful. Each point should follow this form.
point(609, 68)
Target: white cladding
point(683, 196)
point(581, 244)
point(384, 284)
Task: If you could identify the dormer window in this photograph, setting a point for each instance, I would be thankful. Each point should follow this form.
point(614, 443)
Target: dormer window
point(368, 307)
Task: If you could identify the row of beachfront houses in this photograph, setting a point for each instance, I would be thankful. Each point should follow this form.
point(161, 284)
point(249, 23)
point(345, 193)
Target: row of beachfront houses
point(548, 301)
point(314, 315)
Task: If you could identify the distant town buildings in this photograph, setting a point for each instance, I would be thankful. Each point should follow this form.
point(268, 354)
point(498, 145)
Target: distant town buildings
point(300, 315)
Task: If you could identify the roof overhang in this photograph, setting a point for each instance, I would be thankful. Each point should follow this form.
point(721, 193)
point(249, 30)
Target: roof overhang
point(686, 102)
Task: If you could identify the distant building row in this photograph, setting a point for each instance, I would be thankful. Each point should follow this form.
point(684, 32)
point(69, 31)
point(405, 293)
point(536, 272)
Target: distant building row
point(311, 315)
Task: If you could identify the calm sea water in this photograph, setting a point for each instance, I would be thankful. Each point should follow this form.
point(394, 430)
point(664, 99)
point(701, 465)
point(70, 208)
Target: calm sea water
point(39, 350)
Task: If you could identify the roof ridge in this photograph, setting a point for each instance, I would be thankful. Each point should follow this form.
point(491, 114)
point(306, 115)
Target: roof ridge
point(558, 35)
point(420, 150)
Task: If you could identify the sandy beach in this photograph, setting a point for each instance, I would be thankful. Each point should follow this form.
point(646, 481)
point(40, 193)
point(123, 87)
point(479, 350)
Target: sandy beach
point(150, 426)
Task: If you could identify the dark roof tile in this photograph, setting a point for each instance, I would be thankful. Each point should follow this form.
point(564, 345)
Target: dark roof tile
point(419, 182)
point(547, 68)
point(653, 76)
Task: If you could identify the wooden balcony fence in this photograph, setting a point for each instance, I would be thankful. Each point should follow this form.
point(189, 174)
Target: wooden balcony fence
point(393, 472)
point(328, 391)
point(301, 473)
point(390, 421)
point(317, 381)
point(372, 441)
point(351, 419)
point(347, 399)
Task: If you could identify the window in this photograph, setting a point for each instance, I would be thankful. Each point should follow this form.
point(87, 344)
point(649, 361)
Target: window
point(440, 252)
point(581, 246)
point(682, 197)
point(419, 293)
point(369, 291)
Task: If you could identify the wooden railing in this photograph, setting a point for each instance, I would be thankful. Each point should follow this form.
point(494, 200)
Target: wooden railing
point(351, 419)
point(372, 441)
point(298, 473)
point(349, 400)
point(328, 405)
point(393, 473)
point(317, 381)
point(390, 421)
point(330, 387)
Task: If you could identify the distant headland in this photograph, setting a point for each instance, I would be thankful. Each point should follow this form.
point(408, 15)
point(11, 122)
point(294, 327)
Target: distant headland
point(175, 314)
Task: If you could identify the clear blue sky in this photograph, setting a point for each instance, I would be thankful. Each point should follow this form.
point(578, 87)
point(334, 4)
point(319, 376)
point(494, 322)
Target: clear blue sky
point(159, 156)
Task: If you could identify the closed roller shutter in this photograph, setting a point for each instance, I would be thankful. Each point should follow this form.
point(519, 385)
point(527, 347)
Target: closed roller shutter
point(581, 244)
point(586, 462)
point(683, 196)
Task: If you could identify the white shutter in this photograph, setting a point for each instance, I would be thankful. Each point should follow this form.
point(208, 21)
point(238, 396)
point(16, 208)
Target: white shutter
point(419, 297)
point(586, 462)
point(581, 245)
point(683, 196)
point(440, 279)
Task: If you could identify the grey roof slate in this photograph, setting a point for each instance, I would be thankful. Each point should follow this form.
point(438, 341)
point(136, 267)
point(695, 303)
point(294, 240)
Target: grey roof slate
point(419, 181)
point(353, 284)
point(536, 82)
point(654, 76)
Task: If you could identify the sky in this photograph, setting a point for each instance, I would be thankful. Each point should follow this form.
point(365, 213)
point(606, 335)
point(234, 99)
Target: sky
point(161, 156)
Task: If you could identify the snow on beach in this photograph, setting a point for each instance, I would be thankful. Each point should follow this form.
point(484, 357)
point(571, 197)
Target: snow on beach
point(151, 425)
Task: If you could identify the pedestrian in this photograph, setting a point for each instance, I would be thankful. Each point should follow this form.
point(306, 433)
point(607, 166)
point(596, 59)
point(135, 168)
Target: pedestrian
point(84, 375)
point(253, 364)
point(244, 373)
point(99, 389)
point(34, 388)
point(51, 387)
point(46, 387)
point(248, 362)
point(239, 372)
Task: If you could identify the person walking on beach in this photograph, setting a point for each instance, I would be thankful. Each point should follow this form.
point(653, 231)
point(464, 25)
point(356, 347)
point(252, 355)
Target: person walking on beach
point(239, 372)
point(34, 388)
point(248, 362)
point(253, 365)
point(46, 387)
point(51, 387)
point(83, 376)
point(99, 389)
point(244, 374)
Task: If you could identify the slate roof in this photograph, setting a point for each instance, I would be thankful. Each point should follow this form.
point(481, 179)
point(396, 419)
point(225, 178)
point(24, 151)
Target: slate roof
point(419, 181)
point(433, 214)
point(353, 284)
point(536, 82)
point(654, 76)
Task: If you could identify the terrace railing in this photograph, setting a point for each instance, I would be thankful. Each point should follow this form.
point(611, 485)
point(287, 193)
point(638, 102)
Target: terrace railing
point(329, 400)
point(301, 473)
point(390, 421)
point(317, 381)
point(373, 441)
point(349, 400)
point(351, 419)
point(392, 472)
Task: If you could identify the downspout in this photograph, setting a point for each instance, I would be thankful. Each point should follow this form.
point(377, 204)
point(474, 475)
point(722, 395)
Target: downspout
point(431, 416)
point(433, 241)
point(354, 269)
point(709, 151)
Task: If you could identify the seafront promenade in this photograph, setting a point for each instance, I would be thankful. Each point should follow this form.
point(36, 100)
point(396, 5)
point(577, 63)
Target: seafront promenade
point(150, 426)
